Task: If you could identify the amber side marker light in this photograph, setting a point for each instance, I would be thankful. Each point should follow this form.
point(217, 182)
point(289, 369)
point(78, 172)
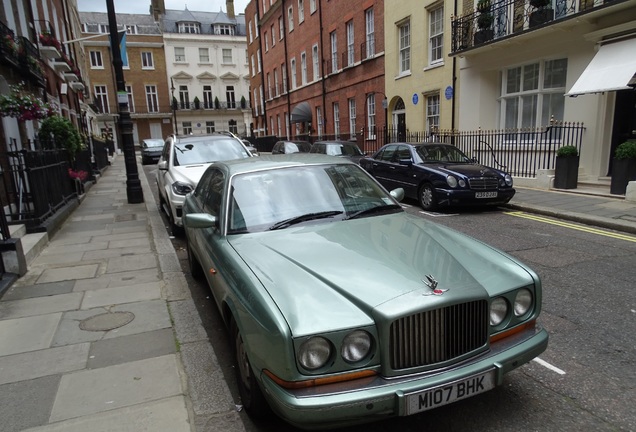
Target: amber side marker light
point(512, 331)
point(320, 381)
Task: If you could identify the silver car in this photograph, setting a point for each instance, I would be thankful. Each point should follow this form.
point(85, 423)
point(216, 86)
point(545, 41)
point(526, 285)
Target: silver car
point(182, 163)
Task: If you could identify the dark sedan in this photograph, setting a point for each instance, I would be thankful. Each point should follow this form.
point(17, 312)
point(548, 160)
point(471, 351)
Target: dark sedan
point(346, 149)
point(151, 149)
point(287, 147)
point(438, 175)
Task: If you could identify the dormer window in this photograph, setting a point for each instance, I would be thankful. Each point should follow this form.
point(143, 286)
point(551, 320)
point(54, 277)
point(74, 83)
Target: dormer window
point(223, 29)
point(189, 27)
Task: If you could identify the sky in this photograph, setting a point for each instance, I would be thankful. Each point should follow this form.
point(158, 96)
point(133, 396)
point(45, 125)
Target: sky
point(143, 6)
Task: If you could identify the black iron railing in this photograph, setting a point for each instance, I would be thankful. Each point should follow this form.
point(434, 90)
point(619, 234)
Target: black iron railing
point(496, 20)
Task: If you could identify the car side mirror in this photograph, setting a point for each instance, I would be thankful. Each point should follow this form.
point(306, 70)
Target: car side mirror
point(398, 194)
point(200, 220)
point(163, 165)
point(406, 162)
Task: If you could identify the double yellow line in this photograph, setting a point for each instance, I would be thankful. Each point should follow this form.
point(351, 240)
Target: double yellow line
point(587, 229)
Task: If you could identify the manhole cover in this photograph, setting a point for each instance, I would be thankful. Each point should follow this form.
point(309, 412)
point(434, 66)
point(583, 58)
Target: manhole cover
point(107, 321)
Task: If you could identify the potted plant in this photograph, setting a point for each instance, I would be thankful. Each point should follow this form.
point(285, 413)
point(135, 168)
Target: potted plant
point(175, 104)
point(566, 170)
point(543, 12)
point(243, 102)
point(197, 102)
point(59, 132)
point(217, 104)
point(485, 19)
point(623, 167)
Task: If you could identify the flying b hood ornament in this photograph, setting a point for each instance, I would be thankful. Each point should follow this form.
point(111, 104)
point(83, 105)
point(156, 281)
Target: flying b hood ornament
point(431, 283)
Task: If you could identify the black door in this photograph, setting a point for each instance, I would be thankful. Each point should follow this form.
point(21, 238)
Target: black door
point(624, 127)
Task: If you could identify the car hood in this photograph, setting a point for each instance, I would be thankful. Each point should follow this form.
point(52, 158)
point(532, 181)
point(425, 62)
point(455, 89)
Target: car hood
point(189, 173)
point(344, 274)
point(468, 170)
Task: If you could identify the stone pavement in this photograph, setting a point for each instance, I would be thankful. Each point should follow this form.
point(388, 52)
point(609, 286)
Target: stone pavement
point(101, 334)
point(601, 210)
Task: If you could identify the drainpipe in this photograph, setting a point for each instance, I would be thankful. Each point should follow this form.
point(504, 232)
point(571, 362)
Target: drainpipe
point(454, 82)
point(322, 67)
point(262, 63)
point(286, 69)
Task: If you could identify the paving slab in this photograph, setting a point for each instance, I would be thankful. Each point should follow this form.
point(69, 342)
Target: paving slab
point(57, 258)
point(111, 253)
point(168, 414)
point(70, 248)
point(120, 295)
point(135, 277)
point(137, 242)
point(131, 262)
point(40, 305)
point(123, 236)
point(68, 273)
point(92, 391)
point(20, 292)
point(175, 287)
point(27, 334)
point(131, 348)
point(148, 316)
point(52, 361)
point(187, 321)
point(27, 404)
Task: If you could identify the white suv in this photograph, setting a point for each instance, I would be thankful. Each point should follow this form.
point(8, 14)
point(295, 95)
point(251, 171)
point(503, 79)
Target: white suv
point(182, 163)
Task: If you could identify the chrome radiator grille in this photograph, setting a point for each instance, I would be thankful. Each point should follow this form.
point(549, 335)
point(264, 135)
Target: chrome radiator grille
point(439, 335)
point(483, 183)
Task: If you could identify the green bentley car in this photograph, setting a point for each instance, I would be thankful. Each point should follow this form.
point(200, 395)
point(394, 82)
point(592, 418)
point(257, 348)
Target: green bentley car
point(343, 308)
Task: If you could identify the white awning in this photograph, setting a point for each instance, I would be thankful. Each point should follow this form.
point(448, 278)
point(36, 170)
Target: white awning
point(611, 69)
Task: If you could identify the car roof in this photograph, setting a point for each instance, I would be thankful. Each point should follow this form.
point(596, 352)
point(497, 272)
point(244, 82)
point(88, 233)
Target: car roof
point(201, 138)
point(154, 140)
point(337, 142)
point(239, 166)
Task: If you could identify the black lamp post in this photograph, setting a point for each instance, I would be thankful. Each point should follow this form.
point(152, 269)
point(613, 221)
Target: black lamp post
point(133, 185)
point(174, 107)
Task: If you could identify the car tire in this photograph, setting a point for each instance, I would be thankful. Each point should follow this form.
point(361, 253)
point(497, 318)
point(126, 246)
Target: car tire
point(195, 266)
point(426, 197)
point(249, 389)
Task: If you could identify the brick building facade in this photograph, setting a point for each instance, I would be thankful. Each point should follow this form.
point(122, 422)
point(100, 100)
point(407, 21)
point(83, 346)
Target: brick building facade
point(317, 84)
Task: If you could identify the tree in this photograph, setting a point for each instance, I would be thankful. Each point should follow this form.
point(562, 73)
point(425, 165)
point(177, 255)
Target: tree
point(59, 132)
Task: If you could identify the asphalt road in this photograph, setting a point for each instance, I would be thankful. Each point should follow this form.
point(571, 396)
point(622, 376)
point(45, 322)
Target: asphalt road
point(586, 380)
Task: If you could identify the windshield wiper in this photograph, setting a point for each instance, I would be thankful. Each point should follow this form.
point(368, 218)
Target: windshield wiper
point(376, 209)
point(303, 218)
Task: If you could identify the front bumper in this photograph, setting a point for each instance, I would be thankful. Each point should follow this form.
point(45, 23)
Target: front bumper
point(371, 399)
point(466, 197)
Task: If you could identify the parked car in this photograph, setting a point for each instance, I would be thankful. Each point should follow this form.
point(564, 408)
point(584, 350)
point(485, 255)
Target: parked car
point(342, 307)
point(183, 161)
point(151, 149)
point(438, 175)
point(288, 147)
point(346, 149)
point(251, 147)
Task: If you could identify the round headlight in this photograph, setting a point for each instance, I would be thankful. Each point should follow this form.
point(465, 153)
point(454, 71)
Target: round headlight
point(452, 181)
point(508, 179)
point(498, 311)
point(523, 302)
point(462, 183)
point(356, 346)
point(314, 353)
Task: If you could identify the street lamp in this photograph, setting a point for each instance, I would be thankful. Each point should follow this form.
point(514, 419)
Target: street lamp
point(133, 185)
point(174, 108)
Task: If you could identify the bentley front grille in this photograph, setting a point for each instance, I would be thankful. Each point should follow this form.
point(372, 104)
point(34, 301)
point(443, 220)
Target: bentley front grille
point(436, 336)
point(483, 183)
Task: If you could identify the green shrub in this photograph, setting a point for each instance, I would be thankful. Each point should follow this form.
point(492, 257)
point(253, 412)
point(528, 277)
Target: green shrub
point(567, 151)
point(627, 150)
point(59, 132)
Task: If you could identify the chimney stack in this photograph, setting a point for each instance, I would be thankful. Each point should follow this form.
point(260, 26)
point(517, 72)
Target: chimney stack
point(229, 4)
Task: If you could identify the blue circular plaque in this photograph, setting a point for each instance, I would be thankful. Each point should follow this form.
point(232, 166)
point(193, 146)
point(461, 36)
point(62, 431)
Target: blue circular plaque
point(448, 93)
point(416, 98)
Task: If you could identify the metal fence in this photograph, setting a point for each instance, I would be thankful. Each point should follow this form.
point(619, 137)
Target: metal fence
point(520, 152)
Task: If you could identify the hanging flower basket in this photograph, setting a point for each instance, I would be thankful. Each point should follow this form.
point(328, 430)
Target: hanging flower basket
point(24, 106)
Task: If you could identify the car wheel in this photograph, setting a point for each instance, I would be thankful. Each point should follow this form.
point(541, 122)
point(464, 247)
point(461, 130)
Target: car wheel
point(426, 197)
point(195, 266)
point(251, 395)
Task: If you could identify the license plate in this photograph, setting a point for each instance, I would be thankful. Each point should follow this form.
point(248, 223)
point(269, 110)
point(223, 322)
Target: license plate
point(449, 393)
point(485, 194)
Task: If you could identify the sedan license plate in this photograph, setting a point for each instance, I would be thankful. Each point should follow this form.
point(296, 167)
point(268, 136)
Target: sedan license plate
point(485, 194)
point(449, 393)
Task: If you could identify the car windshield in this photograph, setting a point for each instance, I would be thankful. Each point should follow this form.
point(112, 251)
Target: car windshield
point(297, 147)
point(343, 150)
point(207, 151)
point(153, 143)
point(278, 198)
point(441, 153)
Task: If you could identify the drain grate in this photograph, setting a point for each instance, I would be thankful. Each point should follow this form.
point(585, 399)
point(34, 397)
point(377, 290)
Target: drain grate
point(107, 321)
